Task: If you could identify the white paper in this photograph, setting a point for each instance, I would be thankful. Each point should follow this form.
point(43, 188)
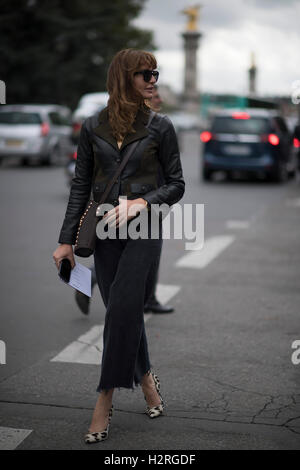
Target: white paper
point(81, 279)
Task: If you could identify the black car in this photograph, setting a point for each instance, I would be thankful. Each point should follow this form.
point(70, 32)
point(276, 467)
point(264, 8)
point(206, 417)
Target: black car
point(296, 140)
point(251, 141)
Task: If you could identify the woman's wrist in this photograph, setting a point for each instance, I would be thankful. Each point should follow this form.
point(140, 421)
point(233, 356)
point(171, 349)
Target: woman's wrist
point(143, 201)
point(66, 246)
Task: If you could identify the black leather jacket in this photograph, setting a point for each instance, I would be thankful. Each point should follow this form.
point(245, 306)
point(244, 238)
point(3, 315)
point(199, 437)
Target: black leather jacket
point(153, 171)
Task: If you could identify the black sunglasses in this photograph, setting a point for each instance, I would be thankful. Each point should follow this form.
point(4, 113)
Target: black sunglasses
point(147, 74)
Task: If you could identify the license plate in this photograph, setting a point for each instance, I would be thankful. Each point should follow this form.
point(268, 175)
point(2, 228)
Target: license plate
point(13, 143)
point(237, 149)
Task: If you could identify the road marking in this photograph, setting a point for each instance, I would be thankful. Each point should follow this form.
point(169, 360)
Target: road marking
point(10, 438)
point(237, 224)
point(164, 292)
point(87, 349)
point(293, 202)
point(199, 259)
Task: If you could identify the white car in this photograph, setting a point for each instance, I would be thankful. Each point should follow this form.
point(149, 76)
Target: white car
point(35, 132)
point(88, 105)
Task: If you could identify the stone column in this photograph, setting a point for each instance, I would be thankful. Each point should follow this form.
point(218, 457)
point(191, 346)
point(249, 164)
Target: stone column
point(191, 96)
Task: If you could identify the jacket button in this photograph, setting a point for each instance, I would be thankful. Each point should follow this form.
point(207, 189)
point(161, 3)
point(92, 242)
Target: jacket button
point(143, 188)
point(118, 160)
point(115, 202)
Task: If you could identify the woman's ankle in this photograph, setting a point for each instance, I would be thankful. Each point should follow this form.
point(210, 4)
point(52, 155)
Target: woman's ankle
point(105, 398)
point(147, 379)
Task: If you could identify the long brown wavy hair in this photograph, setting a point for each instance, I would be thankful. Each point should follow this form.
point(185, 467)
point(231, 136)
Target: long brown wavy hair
point(124, 100)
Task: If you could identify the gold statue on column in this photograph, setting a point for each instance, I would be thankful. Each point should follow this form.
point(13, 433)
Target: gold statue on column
point(193, 14)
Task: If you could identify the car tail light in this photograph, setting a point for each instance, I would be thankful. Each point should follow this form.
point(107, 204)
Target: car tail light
point(45, 128)
point(205, 136)
point(76, 126)
point(73, 155)
point(240, 115)
point(273, 139)
point(296, 143)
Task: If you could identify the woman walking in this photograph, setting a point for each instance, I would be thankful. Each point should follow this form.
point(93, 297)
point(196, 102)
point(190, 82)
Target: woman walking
point(125, 266)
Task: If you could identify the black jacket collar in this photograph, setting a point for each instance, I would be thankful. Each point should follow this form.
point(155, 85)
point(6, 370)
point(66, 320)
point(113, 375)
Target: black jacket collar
point(104, 131)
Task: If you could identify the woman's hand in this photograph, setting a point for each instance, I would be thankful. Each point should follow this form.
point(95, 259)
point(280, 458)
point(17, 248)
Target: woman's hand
point(63, 251)
point(126, 210)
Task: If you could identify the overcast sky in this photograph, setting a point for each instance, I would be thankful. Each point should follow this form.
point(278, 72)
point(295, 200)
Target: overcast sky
point(230, 30)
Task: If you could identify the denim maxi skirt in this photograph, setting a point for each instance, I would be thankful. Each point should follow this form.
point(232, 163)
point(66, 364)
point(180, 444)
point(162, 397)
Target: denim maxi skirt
point(126, 272)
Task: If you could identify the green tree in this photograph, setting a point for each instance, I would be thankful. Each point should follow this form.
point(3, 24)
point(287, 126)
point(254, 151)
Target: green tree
point(53, 51)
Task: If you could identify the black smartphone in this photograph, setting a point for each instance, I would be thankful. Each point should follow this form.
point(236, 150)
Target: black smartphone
point(65, 270)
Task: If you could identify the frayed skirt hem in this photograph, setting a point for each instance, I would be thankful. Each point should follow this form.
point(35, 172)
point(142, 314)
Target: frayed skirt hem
point(132, 387)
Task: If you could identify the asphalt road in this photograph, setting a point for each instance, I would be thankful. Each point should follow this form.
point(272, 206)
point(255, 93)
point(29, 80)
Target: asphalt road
point(224, 357)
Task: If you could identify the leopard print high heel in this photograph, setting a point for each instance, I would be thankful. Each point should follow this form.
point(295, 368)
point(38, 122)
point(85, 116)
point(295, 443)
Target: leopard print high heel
point(157, 410)
point(92, 437)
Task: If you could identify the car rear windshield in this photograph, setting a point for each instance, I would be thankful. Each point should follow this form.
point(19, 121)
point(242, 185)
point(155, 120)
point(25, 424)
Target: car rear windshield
point(253, 125)
point(17, 117)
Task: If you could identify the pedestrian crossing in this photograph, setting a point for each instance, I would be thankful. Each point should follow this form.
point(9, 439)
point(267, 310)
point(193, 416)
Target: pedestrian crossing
point(10, 438)
point(199, 259)
point(87, 349)
point(294, 202)
point(237, 224)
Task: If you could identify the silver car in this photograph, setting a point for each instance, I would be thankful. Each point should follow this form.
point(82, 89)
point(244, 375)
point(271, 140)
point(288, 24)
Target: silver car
point(35, 132)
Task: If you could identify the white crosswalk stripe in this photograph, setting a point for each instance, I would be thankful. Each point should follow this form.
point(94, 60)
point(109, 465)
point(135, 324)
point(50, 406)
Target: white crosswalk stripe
point(10, 438)
point(293, 202)
point(237, 224)
point(87, 349)
point(166, 292)
point(199, 259)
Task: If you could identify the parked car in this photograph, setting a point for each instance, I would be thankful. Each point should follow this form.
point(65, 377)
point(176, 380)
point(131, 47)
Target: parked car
point(88, 105)
point(35, 132)
point(248, 140)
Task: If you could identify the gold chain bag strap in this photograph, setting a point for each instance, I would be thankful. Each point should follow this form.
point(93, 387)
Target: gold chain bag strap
point(86, 233)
